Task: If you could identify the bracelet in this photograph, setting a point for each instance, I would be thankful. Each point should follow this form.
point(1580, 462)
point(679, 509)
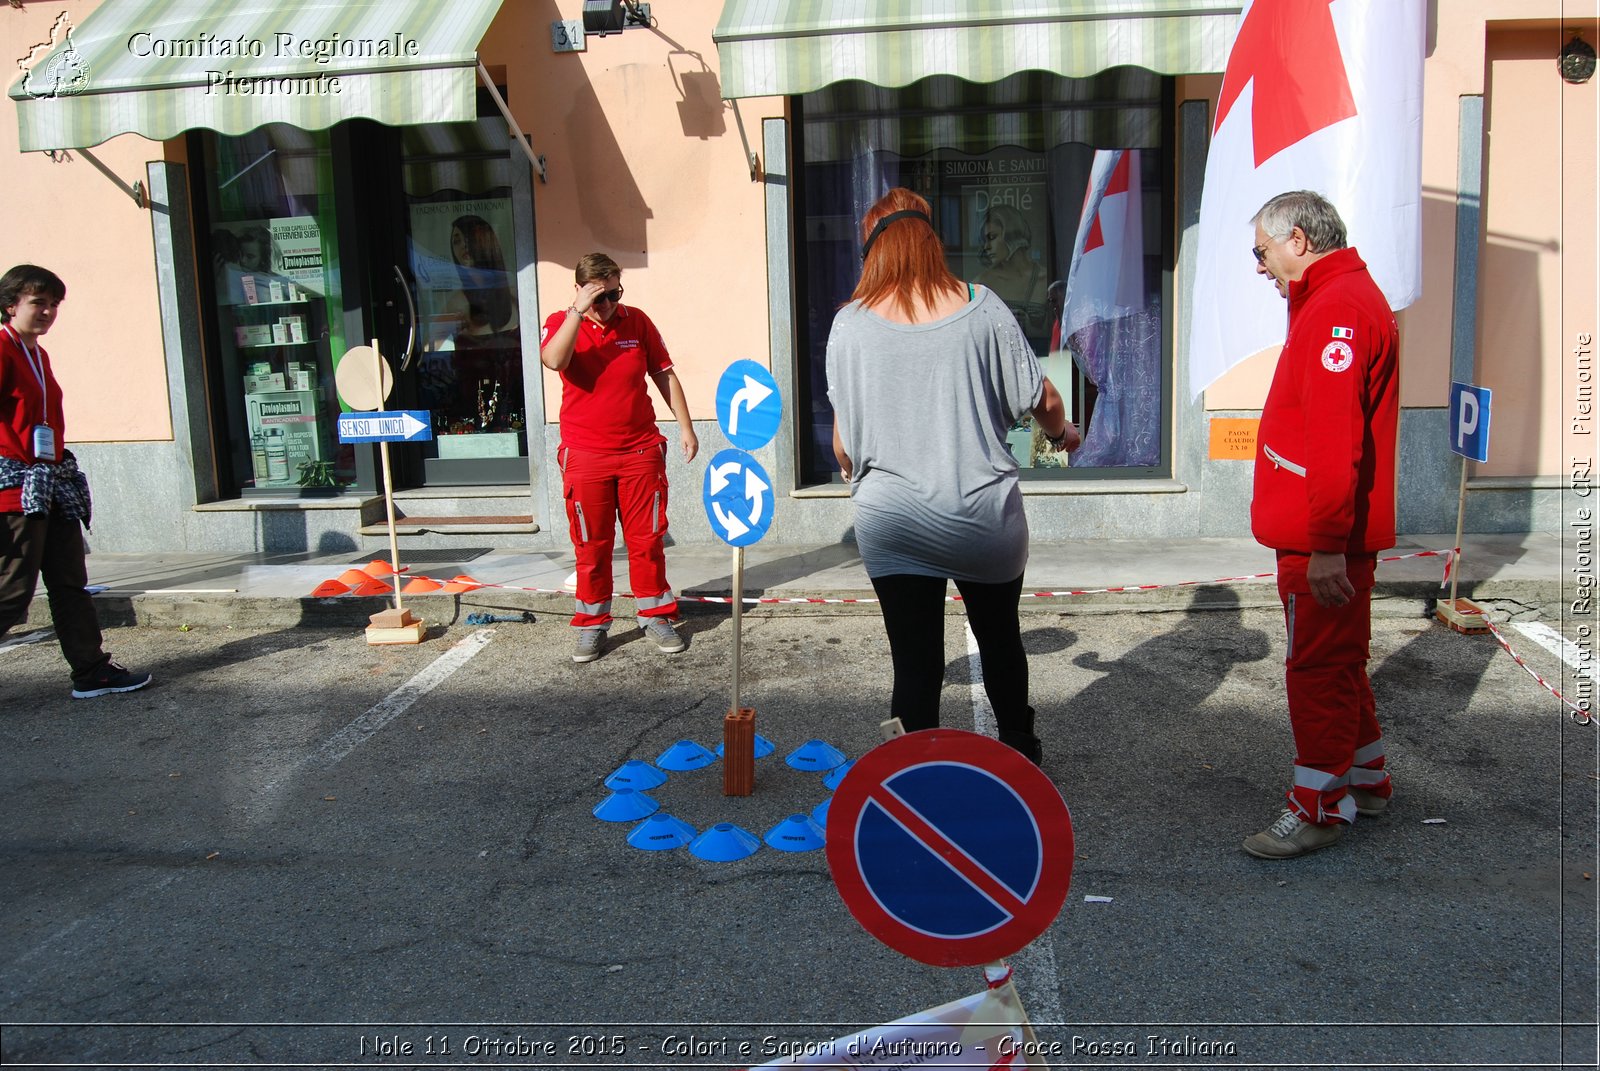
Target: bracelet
point(572, 310)
point(1058, 441)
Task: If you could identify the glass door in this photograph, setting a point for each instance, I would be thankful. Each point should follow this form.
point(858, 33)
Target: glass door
point(270, 240)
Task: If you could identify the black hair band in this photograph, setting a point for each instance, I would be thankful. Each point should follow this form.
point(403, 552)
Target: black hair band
point(905, 213)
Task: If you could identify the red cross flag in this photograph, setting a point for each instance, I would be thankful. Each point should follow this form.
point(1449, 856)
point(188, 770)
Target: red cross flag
point(1106, 280)
point(1321, 95)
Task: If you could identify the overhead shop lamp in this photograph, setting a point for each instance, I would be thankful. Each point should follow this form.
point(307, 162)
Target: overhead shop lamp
point(602, 17)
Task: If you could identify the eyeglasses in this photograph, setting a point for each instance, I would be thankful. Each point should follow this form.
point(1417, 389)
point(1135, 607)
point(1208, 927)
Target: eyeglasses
point(609, 295)
point(1261, 253)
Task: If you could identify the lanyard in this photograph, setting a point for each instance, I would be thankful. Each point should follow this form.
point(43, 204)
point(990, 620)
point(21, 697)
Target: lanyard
point(36, 365)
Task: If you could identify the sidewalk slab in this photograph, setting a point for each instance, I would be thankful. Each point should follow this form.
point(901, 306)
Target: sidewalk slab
point(273, 590)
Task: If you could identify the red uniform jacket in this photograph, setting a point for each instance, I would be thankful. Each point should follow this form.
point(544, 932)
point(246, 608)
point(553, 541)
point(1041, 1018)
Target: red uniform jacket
point(1325, 454)
point(22, 405)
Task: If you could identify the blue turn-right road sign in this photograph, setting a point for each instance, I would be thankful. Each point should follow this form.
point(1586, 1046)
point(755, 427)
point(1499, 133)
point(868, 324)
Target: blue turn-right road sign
point(748, 405)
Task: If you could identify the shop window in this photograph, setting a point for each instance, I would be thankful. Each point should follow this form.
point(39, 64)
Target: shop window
point(270, 245)
point(1054, 192)
point(469, 346)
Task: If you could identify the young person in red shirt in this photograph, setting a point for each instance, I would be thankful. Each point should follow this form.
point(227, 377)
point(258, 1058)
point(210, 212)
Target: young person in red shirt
point(1324, 499)
point(43, 496)
point(613, 457)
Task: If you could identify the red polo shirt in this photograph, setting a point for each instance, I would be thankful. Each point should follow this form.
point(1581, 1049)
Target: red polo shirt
point(22, 405)
point(604, 401)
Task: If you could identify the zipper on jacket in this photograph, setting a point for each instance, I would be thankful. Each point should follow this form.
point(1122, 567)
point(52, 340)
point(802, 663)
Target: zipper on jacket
point(1279, 461)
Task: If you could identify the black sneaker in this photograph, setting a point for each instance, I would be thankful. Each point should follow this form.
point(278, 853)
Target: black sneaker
point(110, 678)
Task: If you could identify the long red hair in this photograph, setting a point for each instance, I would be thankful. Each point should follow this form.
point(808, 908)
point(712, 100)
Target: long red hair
point(907, 260)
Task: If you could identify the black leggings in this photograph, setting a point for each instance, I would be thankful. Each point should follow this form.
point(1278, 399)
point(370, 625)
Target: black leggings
point(913, 615)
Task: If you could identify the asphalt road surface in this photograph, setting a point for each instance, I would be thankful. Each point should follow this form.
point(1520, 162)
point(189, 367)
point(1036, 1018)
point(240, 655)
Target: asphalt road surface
point(298, 850)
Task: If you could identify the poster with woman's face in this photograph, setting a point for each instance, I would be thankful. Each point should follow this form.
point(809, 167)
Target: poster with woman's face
point(461, 257)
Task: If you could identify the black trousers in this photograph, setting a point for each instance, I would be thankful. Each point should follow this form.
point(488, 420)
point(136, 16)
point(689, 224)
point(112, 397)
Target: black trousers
point(913, 614)
point(50, 546)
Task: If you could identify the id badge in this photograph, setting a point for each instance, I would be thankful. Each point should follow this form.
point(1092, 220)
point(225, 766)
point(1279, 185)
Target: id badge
point(44, 442)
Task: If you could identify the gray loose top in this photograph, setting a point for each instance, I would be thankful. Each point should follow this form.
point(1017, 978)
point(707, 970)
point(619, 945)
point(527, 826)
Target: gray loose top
point(923, 411)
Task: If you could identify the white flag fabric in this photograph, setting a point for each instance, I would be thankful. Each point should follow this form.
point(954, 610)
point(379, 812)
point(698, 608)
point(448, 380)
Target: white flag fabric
point(1322, 95)
point(1106, 279)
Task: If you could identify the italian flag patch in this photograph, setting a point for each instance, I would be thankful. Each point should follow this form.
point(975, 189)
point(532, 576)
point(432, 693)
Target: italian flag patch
point(1343, 332)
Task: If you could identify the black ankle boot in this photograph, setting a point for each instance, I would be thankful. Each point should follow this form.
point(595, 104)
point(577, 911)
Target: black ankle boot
point(1022, 739)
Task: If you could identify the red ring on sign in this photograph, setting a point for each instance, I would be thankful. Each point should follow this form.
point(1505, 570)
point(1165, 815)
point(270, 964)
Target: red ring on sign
point(1028, 918)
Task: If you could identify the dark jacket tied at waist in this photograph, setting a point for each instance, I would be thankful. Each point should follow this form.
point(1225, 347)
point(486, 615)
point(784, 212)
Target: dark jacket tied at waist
point(46, 486)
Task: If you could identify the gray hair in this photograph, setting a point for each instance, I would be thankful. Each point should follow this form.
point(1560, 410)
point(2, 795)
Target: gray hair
point(1311, 212)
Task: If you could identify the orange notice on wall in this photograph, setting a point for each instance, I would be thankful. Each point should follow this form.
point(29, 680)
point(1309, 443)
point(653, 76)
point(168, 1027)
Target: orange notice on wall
point(1234, 438)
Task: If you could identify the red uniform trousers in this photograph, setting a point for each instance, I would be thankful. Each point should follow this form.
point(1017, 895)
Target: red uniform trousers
point(1331, 710)
point(599, 486)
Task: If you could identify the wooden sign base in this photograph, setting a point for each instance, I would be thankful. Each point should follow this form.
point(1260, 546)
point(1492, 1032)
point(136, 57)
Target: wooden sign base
point(394, 626)
point(739, 752)
point(1463, 615)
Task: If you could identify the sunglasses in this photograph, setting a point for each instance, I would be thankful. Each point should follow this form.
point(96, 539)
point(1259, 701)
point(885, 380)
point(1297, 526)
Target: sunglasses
point(1261, 253)
point(609, 295)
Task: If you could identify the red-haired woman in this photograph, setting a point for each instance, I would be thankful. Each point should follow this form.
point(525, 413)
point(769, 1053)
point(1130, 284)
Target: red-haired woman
point(926, 375)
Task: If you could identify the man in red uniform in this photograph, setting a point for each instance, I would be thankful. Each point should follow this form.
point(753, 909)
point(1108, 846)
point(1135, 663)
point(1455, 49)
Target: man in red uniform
point(613, 456)
point(43, 496)
point(1324, 499)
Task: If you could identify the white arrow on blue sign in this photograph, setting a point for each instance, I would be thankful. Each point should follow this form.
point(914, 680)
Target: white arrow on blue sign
point(748, 405)
point(1469, 421)
point(402, 425)
point(738, 498)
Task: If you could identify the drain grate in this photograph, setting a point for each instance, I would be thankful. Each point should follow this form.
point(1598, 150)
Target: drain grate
point(424, 556)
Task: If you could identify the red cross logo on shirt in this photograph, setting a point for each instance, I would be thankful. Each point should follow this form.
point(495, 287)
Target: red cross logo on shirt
point(1290, 50)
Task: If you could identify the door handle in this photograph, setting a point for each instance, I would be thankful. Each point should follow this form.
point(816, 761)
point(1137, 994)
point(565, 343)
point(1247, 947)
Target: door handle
point(411, 321)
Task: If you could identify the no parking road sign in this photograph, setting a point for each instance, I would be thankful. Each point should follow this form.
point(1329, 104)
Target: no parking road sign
point(950, 847)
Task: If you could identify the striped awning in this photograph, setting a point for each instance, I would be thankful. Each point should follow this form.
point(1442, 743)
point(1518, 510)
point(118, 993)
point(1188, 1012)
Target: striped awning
point(160, 67)
point(784, 47)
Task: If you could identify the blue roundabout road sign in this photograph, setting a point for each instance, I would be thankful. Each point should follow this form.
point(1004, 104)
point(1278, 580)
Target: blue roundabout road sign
point(950, 847)
point(738, 498)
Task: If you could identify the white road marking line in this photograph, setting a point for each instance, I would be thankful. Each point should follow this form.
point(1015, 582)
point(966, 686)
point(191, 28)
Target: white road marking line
point(1563, 648)
point(1037, 981)
point(352, 736)
point(27, 638)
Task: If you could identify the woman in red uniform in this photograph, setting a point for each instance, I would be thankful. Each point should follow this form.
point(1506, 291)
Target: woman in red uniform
point(43, 496)
point(613, 457)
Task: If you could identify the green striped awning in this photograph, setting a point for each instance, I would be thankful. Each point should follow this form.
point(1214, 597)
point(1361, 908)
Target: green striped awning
point(784, 47)
point(160, 67)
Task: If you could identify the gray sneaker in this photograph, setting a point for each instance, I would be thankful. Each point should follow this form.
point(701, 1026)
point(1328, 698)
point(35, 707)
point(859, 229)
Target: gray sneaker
point(1290, 836)
point(665, 636)
point(591, 644)
point(1368, 803)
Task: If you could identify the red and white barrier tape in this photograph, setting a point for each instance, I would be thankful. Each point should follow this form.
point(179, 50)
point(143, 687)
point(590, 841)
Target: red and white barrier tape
point(463, 583)
point(1579, 715)
point(466, 583)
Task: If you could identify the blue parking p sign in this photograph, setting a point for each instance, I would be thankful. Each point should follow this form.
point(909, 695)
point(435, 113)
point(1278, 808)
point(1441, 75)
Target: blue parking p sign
point(1469, 421)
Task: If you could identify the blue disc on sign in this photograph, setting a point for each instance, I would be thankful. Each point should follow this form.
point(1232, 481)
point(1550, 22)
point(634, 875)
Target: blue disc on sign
point(738, 498)
point(748, 405)
point(950, 847)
